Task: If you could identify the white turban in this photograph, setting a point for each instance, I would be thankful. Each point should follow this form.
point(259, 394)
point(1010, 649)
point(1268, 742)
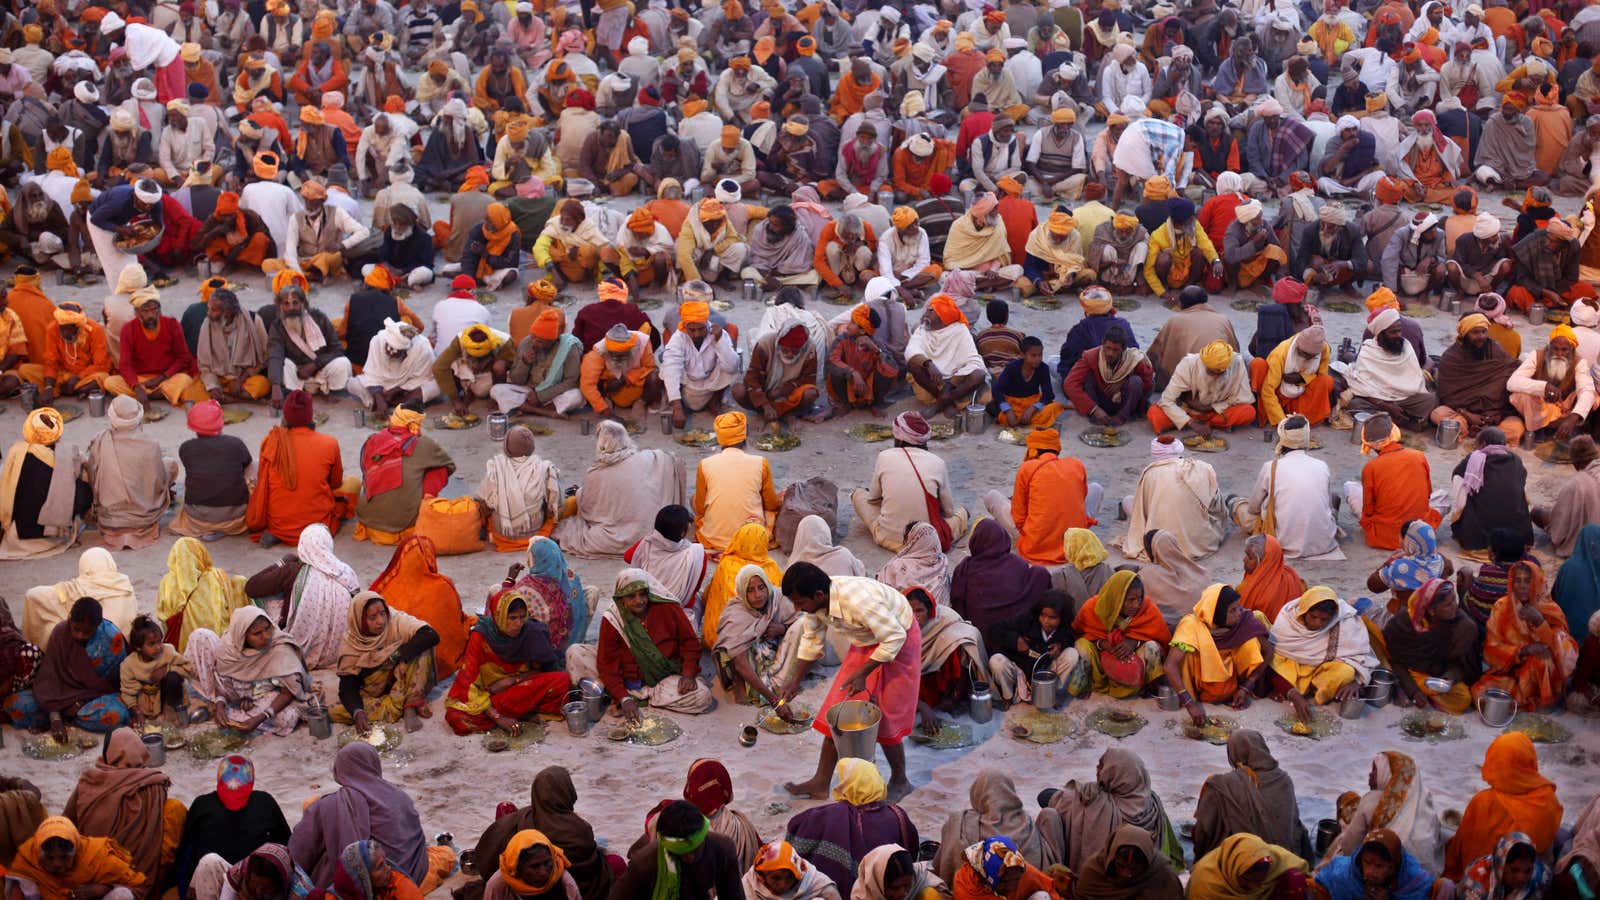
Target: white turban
point(397, 335)
point(1485, 226)
point(1270, 107)
point(727, 191)
point(920, 146)
point(1348, 122)
point(111, 23)
point(1122, 52)
point(454, 108)
point(144, 89)
point(639, 46)
point(1133, 107)
point(1165, 448)
point(614, 83)
point(1229, 183)
point(86, 92)
point(1384, 318)
point(1584, 315)
point(332, 99)
point(1248, 212)
point(1068, 72)
point(147, 191)
point(125, 413)
point(890, 13)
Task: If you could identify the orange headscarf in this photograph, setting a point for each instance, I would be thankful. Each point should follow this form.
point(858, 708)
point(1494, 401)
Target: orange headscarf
point(228, 205)
point(1518, 799)
point(412, 584)
point(498, 232)
point(476, 177)
point(1271, 584)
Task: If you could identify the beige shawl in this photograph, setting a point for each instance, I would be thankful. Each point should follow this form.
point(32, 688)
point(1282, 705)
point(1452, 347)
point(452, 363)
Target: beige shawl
point(359, 650)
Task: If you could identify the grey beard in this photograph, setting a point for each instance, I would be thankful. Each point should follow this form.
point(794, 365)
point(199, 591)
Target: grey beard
point(458, 131)
point(1557, 369)
point(399, 233)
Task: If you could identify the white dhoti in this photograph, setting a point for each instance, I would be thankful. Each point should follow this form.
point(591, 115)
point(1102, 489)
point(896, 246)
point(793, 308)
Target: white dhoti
point(332, 377)
point(112, 260)
point(1332, 187)
point(361, 384)
point(712, 264)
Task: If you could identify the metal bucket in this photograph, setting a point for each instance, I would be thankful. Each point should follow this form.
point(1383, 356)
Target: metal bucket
point(156, 749)
point(594, 698)
point(1167, 698)
point(1354, 708)
point(1497, 708)
point(577, 715)
point(975, 419)
point(751, 292)
point(1536, 314)
point(1360, 426)
point(1448, 434)
point(1444, 300)
point(30, 397)
point(586, 425)
point(97, 403)
point(981, 703)
point(1327, 832)
point(886, 199)
point(1044, 691)
point(860, 740)
point(499, 424)
point(318, 723)
point(1380, 689)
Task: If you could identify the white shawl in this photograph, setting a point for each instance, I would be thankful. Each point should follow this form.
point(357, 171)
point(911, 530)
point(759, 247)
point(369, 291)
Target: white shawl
point(951, 348)
point(1344, 639)
point(1378, 374)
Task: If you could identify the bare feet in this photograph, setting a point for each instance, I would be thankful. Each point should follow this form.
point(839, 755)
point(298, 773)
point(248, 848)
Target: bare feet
point(412, 721)
point(806, 789)
point(898, 789)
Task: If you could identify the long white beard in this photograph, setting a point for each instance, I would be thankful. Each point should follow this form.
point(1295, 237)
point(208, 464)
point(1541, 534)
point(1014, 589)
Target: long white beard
point(458, 131)
point(1556, 369)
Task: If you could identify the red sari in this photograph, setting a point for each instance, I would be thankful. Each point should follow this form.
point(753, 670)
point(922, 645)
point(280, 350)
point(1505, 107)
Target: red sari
point(492, 655)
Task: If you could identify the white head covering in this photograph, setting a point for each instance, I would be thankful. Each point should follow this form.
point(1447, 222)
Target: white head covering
point(86, 92)
point(920, 146)
point(147, 191)
point(1169, 449)
point(1485, 226)
point(1584, 315)
point(397, 335)
point(125, 413)
point(1248, 212)
point(639, 46)
point(143, 88)
point(1385, 318)
point(111, 22)
point(454, 108)
point(879, 287)
point(1348, 122)
point(1230, 183)
point(728, 191)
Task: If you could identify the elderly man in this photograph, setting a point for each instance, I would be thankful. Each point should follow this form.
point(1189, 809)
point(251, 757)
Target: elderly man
point(1124, 76)
point(1294, 379)
point(781, 251)
point(903, 255)
point(1334, 253)
point(845, 254)
point(977, 242)
point(1546, 268)
point(863, 165)
point(1109, 383)
point(1057, 156)
point(942, 358)
point(1387, 377)
point(130, 478)
point(1351, 165)
point(1053, 262)
point(645, 247)
point(303, 348)
point(1481, 259)
point(1250, 248)
point(698, 363)
point(1293, 497)
point(1578, 503)
point(471, 364)
point(859, 374)
point(740, 87)
point(1553, 388)
point(708, 246)
point(1209, 389)
point(619, 371)
point(452, 149)
point(543, 381)
point(1471, 381)
point(399, 368)
point(181, 145)
point(323, 233)
point(1176, 494)
point(155, 357)
point(1242, 77)
point(73, 360)
point(1413, 264)
point(1117, 253)
point(993, 156)
point(1195, 325)
point(232, 350)
point(1505, 153)
point(1276, 145)
point(732, 487)
point(904, 477)
point(569, 247)
point(520, 493)
point(781, 380)
point(1180, 253)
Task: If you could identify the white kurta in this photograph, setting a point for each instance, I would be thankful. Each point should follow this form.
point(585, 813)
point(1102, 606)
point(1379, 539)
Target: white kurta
point(277, 205)
point(1301, 508)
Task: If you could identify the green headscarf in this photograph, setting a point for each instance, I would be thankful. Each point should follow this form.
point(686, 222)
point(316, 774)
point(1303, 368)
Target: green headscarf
point(668, 850)
point(653, 664)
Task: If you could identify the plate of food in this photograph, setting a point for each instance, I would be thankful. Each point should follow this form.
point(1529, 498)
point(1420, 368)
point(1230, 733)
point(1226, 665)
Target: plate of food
point(839, 299)
point(1215, 729)
point(498, 741)
point(1245, 304)
point(216, 743)
point(1116, 721)
point(319, 419)
point(1556, 452)
point(1016, 436)
point(1557, 317)
point(719, 305)
point(1342, 306)
point(1540, 729)
point(1041, 728)
point(652, 731)
point(1323, 724)
point(172, 736)
point(1049, 303)
point(383, 738)
point(1200, 444)
point(772, 723)
point(533, 424)
point(870, 432)
point(1104, 436)
point(950, 736)
point(941, 431)
point(142, 237)
point(45, 748)
point(777, 443)
point(695, 437)
point(1419, 310)
point(1125, 304)
point(453, 422)
point(648, 303)
point(156, 413)
point(233, 415)
point(69, 411)
point(1431, 726)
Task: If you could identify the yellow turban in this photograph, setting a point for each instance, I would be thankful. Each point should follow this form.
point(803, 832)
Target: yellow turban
point(544, 290)
point(1116, 119)
point(1063, 116)
point(730, 428)
point(81, 192)
point(1564, 333)
point(858, 782)
point(965, 41)
point(904, 216)
point(1216, 355)
point(693, 311)
point(1095, 301)
point(1157, 187)
point(60, 160)
point(1123, 221)
point(190, 52)
point(1381, 298)
point(73, 316)
point(311, 115)
point(1010, 186)
point(1061, 223)
point(33, 34)
point(1467, 323)
point(43, 426)
point(795, 127)
point(409, 419)
point(479, 341)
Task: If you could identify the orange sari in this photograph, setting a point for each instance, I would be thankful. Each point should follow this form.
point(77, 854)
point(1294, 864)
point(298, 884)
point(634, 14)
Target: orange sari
point(1518, 799)
point(412, 584)
point(1535, 682)
point(1271, 584)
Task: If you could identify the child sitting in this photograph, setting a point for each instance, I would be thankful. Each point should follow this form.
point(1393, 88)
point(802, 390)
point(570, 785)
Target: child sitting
point(153, 674)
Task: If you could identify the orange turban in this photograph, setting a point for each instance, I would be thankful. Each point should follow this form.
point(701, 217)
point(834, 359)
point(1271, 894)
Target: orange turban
point(862, 316)
point(60, 160)
point(739, 63)
point(1389, 190)
point(1061, 223)
point(693, 107)
point(761, 110)
point(312, 190)
point(1010, 186)
point(612, 289)
point(693, 311)
point(730, 137)
point(1044, 439)
point(730, 428)
point(1381, 298)
point(265, 165)
point(285, 277)
point(711, 210)
point(311, 115)
point(395, 104)
point(210, 286)
point(438, 67)
point(543, 290)
point(547, 327)
point(944, 306)
point(642, 221)
point(381, 278)
point(904, 216)
point(477, 177)
point(995, 55)
point(81, 192)
point(613, 345)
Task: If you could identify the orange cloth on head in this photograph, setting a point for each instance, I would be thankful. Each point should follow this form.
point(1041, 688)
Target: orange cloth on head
point(642, 221)
point(547, 326)
point(285, 277)
point(477, 177)
point(299, 484)
point(693, 311)
point(850, 97)
point(944, 306)
point(228, 207)
point(98, 860)
point(747, 548)
point(1390, 190)
point(969, 885)
point(611, 289)
point(1047, 498)
point(1394, 488)
point(412, 584)
point(1518, 798)
point(1534, 682)
point(498, 233)
point(1271, 584)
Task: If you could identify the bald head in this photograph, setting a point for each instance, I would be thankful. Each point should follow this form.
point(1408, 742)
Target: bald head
point(519, 441)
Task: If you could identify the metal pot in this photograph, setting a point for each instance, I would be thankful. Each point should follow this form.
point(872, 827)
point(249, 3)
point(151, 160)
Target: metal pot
point(499, 424)
point(750, 291)
point(975, 419)
point(854, 726)
point(1497, 708)
point(586, 425)
point(1354, 708)
point(358, 417)
point(666, 423)
point(747, 736)
point(1269, 435)
point(1444, 300)
point(97, 403)
point(981, 703)
point(1536, 314)
point(1448, 434)
point(1044, 688)
point(1360, 426)
point(1327, 832)
point(156, 749)
point(594, 698)
point(886, 199)
point(1167, 698)
point(318, 723)
point(577, 716)
point(1379, 689)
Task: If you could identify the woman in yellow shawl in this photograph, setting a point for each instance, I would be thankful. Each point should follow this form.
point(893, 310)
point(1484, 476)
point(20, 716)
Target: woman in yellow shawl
point(1054, 256)
point(1244, 867)
point(1218, 653)
point(196, 594)
point(385, 665)
point(59, 860)
point(1123, 638)
point(531, 867)
point(747, 548)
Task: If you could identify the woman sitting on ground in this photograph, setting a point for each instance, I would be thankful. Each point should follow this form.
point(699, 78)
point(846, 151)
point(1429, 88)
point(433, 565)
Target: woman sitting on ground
point(1254, 796)
point(510, 672)
point(531, 868)
point(1517, 798)
point(1244, 867)
point(1513, 870)
point(1079, 819)
point(835, 837)
point(757, 637)
point(1529, 652)
point(1380, 867)
point(1268, 581)
point(1041, 639)
point(364, 872)
point(230, 823)
point(266, 873)
point(747, 548)
point(779, 873)
point(254, 676)
point(919, 563)
point(1129, 868)
point(891, 872)
point(1434, 639)
point(951, 650)
point(58, 861)
point(1086, 569)
point(369, 810)
point(551, 813)
point(1122, 639)
point(385, 666)
point(1396, 800)
point(648, 651)
point(996, 812)
point(992, 867)
point(78, 677)
point(1218, 653)
point(710, 788)
point(1320, 651)
point(120, 797)
point(555, 592)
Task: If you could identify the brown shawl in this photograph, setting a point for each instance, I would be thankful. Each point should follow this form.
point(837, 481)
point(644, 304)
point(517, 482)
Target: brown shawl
point(1465, 382)
point(1254, 797)
point(120, 798)
point(20, 815)
point(551, 812)
point(1157, 882)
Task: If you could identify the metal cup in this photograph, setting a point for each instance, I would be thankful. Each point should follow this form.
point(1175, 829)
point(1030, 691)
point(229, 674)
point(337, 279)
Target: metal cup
point(498, 426)
point(666, 423)
point(156, 749)
point(358, 417)
point(747, 736)
point(1536, 314)
point(30, 397)
point(97, 403)
point(586, 424)
point(318, 723)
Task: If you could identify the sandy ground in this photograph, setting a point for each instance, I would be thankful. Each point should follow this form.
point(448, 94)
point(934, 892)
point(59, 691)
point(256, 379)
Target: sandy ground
point(457, 784)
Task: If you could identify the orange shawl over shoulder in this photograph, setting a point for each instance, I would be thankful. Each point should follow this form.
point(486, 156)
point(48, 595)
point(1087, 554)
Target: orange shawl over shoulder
point(98, 861)
point(1096, 623)
point(1271, 584)
point(412, 585)
point(1518, 799)
point(850, 97)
